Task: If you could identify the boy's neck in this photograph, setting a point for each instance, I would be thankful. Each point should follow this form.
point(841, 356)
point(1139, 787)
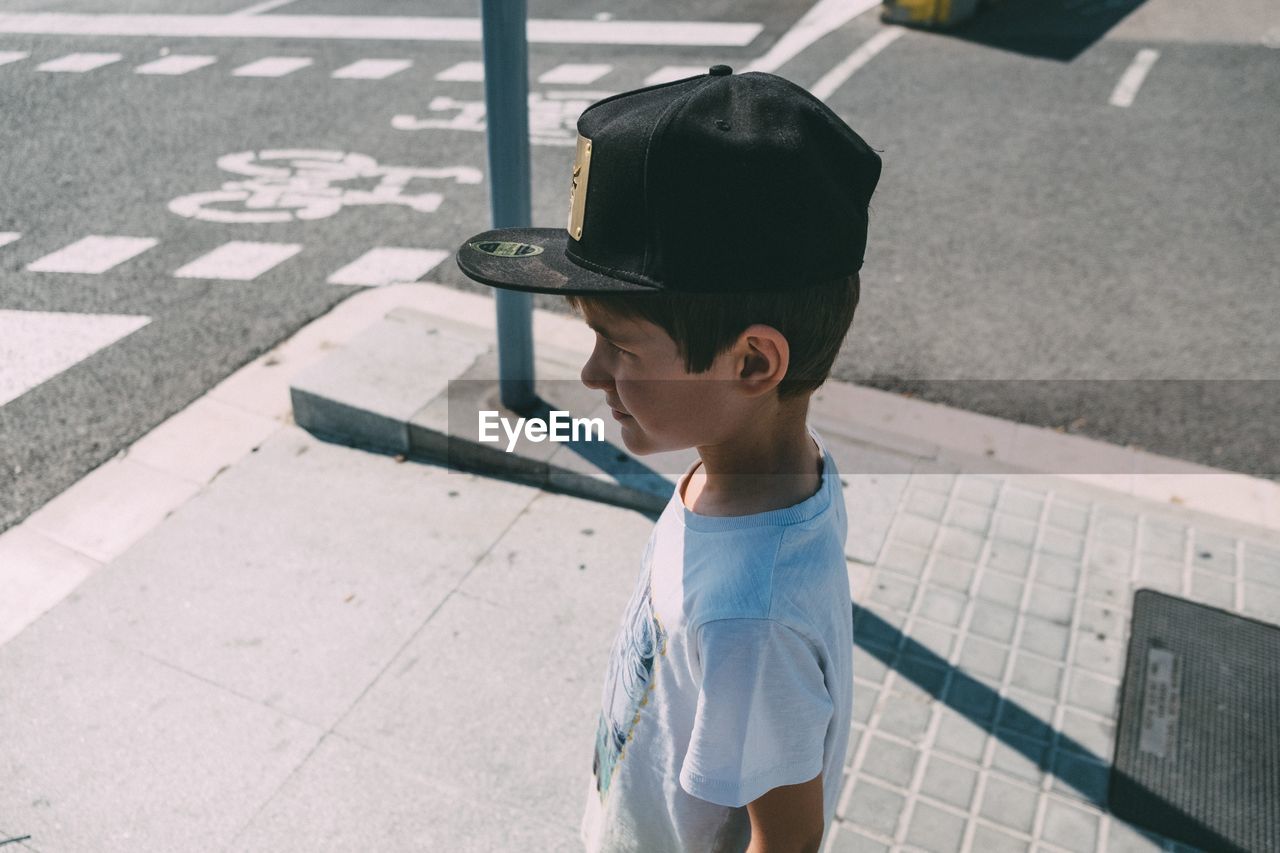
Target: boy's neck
point(773, 467)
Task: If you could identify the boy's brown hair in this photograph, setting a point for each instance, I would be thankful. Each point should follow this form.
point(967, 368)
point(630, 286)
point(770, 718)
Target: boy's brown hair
point(813, 319)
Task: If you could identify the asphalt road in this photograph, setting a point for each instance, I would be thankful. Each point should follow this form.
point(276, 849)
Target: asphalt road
point(1025, 227)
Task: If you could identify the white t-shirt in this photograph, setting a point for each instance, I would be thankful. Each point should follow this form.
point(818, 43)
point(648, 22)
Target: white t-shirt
point(731, 674)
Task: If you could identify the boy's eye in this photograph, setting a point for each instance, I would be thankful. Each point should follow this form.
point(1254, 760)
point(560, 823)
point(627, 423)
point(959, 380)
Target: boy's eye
point(612, 345)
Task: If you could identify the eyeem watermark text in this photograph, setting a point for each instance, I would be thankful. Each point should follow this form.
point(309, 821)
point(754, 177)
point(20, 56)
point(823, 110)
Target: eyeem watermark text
point(560, 427)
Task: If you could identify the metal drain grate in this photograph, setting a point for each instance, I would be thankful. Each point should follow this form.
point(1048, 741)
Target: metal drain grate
point(1198, 741)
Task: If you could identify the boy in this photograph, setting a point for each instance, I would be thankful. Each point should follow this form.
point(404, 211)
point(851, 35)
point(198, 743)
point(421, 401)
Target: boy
point(716, 228)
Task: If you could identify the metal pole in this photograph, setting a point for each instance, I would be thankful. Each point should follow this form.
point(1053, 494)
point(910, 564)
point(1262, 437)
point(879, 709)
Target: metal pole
point(506, 96)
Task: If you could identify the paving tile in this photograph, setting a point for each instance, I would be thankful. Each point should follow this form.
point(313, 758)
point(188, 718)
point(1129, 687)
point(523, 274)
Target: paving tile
point(926, 504)
point(993, 621)
point(1087, 733)
point(1109, 588)
point(1080, 777)
point(1026, 715)
point(1036, 675)
point(961, 544)
point(1001, 589)
point(874, 807)
point(1009, 803)
point(890, 761)
point(1010, 528)
point(1213, 590)
point(913, 530)
point(972, 699)
point(1261, 562)
point(864, 702)
point(1093, 693)
point(1096, 618)
point(952, 573)
point(987, 839)
point(892, 591)
point(1044, 638)
point(1116, 527)
point(935, 830)
point(1154, 570)
point(930, 642)
point(924, 674)
point(1109, 559)
point(960, 737)
point(1163, 540)
point(1069, 515)
point(971, 517)
point(1021, 503)
point(1056, 605)
point(1214, 553)
point(932, 480)
point(979, 490)
point(949, 782)
point(849, 840)
point(1070, 827)
point(1262, 601)
point(1062, 543)
point(1020, 757)
point(981, 657)
point(1104, 656)
point(943, 606)
point(1059, 572)
point(878, 627)
point(904, 559)
point(905, 717)
point(869, 668)
point(1010, 558)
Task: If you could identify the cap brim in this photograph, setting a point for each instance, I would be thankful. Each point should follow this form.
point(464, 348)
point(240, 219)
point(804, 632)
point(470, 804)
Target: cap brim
point(544, 268)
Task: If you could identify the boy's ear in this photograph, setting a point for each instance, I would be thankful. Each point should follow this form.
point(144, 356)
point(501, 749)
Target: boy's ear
point(761, 358)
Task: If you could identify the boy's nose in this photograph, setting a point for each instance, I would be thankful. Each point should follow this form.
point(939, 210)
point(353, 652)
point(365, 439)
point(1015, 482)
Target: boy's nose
point(592, 376)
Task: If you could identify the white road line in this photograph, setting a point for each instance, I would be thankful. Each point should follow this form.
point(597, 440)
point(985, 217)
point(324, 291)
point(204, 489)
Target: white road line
point(92, 255)
point(258, 8)
point(239, 260)
point(372, 69)
point(388, 265)
point(7, 56)
point(378, 27)
point(826, 16)
point(77, 63)
point(36, 346)
point(1127, 89)
point(836, 77)
point(7, 237)
point(667, 73)
point(466, 72)
point(577, 74)
point(272, 66)
point(174, 64)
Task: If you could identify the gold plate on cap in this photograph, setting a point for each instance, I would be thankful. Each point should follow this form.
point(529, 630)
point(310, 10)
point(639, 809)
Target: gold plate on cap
point(578, 190)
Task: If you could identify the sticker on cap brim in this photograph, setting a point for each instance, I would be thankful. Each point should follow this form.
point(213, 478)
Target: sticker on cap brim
point(506, 249)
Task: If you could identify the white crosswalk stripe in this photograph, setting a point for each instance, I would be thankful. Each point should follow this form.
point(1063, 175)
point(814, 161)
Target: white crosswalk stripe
point(175, 64)
point(466, 72)
point(78, 63)
point(7, 56)
point(93, 254)
point(239, 260)
point(667, 73)
point(575, 74)
point(7, 237)
point(272, 66)
point(372, 69)
point(36, 346)
point(386, 264)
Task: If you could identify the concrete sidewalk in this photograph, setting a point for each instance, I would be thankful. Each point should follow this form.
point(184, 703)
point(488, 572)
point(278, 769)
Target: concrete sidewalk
point(245, 636)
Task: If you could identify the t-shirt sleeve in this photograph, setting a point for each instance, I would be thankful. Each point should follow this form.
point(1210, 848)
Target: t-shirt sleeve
point(762, 714)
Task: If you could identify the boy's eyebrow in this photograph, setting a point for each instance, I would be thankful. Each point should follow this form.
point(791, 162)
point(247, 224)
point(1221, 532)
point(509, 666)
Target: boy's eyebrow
point(604, 330)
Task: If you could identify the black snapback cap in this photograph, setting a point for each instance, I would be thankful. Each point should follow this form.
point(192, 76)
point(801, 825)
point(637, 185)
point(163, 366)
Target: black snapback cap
point(720, 183)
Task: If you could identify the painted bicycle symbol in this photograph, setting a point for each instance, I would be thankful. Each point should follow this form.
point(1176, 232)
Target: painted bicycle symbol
point(297, 184)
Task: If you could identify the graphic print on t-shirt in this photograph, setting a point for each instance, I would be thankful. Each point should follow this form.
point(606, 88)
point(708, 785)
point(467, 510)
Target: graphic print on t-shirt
point(627, 680)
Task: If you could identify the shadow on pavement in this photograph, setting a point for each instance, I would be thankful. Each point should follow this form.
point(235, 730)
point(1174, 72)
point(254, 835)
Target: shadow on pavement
point(1018, 728)
point(1053, 29)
